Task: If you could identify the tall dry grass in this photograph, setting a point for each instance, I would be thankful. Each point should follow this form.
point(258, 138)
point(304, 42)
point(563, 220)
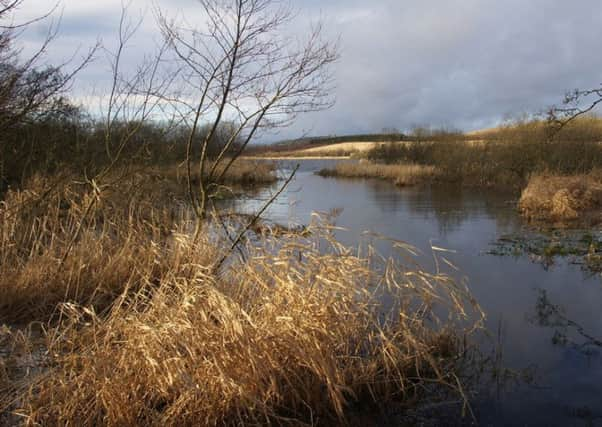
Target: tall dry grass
point(40, 263)
point(567, 198)
point(243, 172)
point(325, 153)
point(136, 328)
point(400, 174)
point(115, 227)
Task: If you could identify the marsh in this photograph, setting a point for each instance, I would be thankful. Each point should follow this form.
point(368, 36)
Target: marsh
point(557, 381)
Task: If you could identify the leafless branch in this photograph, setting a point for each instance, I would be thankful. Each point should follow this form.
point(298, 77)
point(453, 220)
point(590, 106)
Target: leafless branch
point(254, 219)
point(244, 69)
point(576, 104)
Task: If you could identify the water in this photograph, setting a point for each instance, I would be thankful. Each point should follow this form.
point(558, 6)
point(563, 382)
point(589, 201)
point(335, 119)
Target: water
point(545, 317)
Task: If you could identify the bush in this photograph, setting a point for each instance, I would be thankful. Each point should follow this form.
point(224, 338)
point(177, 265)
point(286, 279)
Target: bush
point(505, 157)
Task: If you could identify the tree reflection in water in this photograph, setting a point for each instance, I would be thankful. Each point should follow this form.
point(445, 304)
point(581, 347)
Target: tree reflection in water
point(567, 332)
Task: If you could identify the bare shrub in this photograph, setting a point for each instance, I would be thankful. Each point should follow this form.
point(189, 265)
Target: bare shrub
point(241, 64)
point(505, 157)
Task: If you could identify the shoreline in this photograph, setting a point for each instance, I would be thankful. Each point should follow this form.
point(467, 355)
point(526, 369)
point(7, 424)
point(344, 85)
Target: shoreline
point(297, 157)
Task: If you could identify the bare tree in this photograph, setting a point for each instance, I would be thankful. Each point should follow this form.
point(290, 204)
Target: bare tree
point(29, 88)
point(134, 96)
point(575, 104)
point(240, 66)
point(26, 85)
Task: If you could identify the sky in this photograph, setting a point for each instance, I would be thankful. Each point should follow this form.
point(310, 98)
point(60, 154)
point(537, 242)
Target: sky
point(466, 64)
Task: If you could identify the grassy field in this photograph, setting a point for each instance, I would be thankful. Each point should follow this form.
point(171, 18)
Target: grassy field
point(338, 150)
point(323, 147)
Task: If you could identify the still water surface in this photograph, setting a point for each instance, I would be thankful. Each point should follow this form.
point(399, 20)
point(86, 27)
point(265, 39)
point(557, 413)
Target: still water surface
point(568, 375)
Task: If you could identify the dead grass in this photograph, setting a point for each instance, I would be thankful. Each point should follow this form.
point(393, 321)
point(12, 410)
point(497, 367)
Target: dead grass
point(399, 174)
point(342, 147)
point(249, 172)
point(243, 172)
point(137, 329)
point(566, 198)
point(309, 155)
point(124, 226)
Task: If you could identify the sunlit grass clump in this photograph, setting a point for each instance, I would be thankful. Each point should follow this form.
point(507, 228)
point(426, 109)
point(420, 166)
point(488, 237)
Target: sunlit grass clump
point(137, 327)
point(565, 198)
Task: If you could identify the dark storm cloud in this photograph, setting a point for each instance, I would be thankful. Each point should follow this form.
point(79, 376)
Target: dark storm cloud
point(462, 63)
point(459, 63)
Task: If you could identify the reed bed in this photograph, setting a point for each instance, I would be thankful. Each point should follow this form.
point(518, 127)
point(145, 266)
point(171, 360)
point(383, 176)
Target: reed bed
point(401, 174)
point(42, 265)
point(243, 172)
point(249, 172)
point(135, 326)
point(563, 198)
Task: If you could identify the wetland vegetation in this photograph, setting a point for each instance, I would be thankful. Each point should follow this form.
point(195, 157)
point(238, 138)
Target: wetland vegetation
point(557, 171)
point(130, 296)
point(157, 269)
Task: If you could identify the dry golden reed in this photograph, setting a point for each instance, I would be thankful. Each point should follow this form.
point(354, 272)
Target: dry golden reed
point(568, 198)
point(401, 174)
point(138, 329)
point(242, 172)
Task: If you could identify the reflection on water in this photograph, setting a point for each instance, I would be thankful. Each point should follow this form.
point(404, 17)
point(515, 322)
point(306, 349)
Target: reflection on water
point(567, 332)
point(537, 331)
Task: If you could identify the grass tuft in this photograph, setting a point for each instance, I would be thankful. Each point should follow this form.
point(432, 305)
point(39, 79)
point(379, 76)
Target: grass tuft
point(565, 198)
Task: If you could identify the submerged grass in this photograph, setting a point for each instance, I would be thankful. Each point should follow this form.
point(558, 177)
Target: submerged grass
point(578, 247)
point(136, 327)
point(399, 174)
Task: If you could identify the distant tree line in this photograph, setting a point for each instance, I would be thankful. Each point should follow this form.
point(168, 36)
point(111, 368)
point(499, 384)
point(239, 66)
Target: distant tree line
point(42, 131)
point(66, 137)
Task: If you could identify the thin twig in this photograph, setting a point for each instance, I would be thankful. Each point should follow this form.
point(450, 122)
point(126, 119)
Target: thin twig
point(255, 219)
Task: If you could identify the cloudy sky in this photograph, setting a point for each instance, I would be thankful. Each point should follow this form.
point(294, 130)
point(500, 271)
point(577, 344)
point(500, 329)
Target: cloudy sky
point(462, 63)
